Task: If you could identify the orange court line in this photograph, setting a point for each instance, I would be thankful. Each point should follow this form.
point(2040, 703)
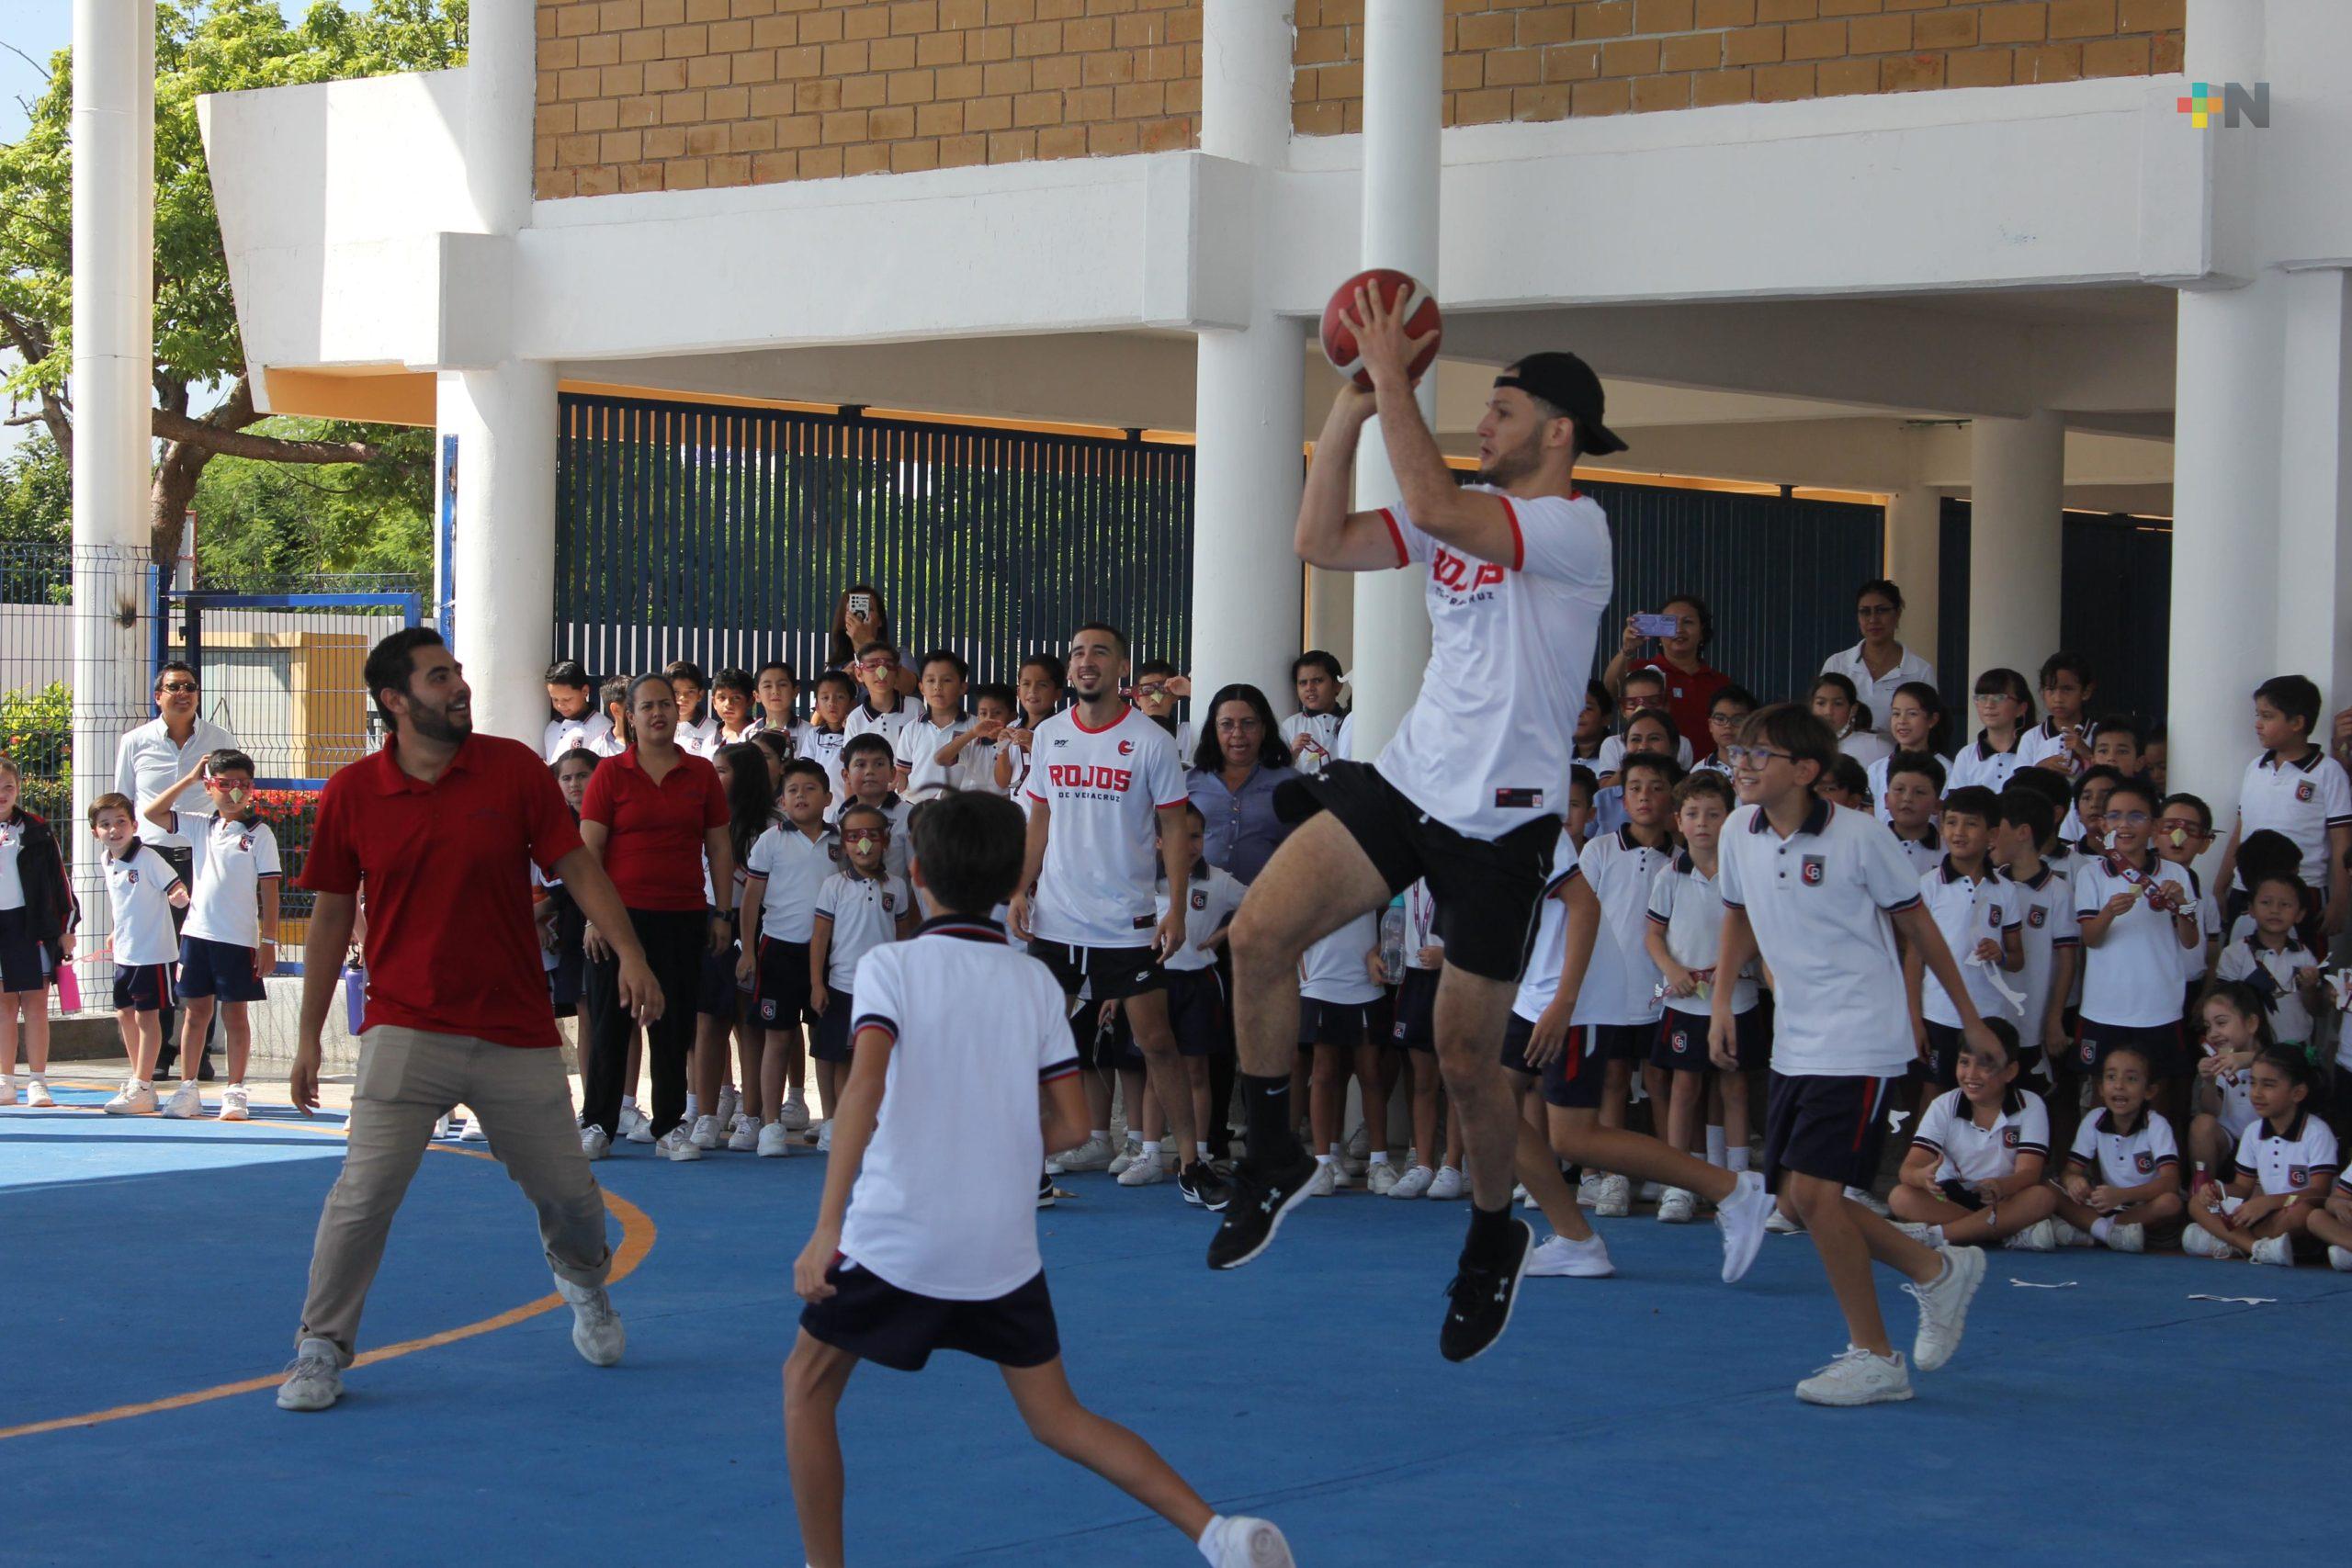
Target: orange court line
point(638, 1233)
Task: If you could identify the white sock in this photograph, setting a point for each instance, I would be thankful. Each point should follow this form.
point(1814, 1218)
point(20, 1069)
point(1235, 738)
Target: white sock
point(1100, 1134)
point(2101, 1227)
point(628, 1103)
point(1322, 1159)
point(1715, 1146)
point(1207, 1543)
point(1335, 1150)
point(694, 1108)
point(141, 1083)
point(1151, 1149)
point(1379, 1156)
point(1735, 1160)
point(1200, 1149)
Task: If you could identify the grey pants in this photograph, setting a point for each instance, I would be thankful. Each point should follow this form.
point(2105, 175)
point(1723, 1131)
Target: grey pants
point(408, 1080)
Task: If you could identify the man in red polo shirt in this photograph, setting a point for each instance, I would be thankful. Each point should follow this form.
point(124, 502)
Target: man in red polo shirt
point(438, 831)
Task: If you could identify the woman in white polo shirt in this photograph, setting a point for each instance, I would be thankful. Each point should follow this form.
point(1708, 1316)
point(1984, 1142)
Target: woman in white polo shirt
point(1878, 664)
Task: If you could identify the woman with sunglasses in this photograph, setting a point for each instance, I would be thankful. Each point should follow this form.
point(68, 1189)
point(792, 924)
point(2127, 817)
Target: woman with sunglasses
point(1878, 664)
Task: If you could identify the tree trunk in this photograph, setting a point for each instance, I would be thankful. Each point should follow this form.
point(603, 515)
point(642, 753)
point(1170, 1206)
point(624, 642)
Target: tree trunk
point(168, 498)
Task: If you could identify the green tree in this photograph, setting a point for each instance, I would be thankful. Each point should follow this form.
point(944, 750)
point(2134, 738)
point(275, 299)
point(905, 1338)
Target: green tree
point(201, 46)
point(261, 524)
point(36, 494)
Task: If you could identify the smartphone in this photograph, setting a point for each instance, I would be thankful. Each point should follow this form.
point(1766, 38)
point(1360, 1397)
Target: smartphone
point(1657, 626)
point(861, 605)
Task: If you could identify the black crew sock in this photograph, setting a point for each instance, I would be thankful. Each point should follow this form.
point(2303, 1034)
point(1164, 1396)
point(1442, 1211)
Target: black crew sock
point(1490, 1232)
point(1267, 1104)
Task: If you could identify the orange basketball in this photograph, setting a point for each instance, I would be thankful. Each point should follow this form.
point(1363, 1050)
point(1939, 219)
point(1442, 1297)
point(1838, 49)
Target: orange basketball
point(1387, 285)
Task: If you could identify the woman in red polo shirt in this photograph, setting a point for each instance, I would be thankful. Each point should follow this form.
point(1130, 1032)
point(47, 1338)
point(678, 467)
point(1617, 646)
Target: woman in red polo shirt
point(653, 816)
point(1691, 682)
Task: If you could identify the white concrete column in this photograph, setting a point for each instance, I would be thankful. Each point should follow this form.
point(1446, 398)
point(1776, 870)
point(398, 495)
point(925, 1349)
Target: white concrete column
point(1402, 109)
point(501, 83)
point(113, 130)
point(1331, 616)
point(2314, 638)
point(500, 573)
point(1915, 524)
point(2018, 502)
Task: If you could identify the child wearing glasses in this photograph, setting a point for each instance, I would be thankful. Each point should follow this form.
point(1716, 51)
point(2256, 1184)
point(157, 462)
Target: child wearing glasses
point(2003, 714)
point(2138, 915)
point(1156, 688)
point(882, 711)
point(860, 908)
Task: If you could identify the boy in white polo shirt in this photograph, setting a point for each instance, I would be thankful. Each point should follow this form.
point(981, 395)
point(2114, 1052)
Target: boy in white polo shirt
point(2294, 788)
point(1820, 893)
point(2274, 961)
point(2138, 915)
point(142, 891)
point(229, 945)
point(935, 741)
point(934, 1247)
point(2051, 940)
point(1983, 922)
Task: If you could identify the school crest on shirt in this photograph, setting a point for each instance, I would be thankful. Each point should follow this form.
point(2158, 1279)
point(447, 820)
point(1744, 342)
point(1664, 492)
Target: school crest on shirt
point(890, 903)
point(1812, 869)
point(1200, 899)
point(1992, 918)
point(2304, 792)
point(2037, 917)
point(2298, 1175)
point(2008, 1137)
point(2144, 1163)
point(131, 877)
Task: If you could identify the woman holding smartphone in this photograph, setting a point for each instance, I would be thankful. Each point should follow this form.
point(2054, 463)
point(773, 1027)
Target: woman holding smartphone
point(1682, 627)
point(859, 617)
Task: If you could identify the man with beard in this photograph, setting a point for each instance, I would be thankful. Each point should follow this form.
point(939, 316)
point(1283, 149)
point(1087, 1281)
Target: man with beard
point(439, 831)
point(1470, 792)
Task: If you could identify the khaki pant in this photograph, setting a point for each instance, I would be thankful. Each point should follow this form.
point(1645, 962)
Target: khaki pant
point(408, 1080)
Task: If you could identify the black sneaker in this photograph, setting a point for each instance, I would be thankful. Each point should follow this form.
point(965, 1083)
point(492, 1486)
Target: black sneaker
point(1201, 1185)
point(1045, 1191)
point(1254, 1211)
point(1480, 1298)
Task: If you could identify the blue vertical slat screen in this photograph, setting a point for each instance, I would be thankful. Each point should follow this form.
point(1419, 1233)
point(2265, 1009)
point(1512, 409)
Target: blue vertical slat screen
point(1953, 677)
point(726, 536)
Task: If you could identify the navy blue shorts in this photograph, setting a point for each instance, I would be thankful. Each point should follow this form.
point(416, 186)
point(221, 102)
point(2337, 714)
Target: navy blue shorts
point(1196, 1011)
point(1415, 1028)
point(833, 1039)
point(1334, 1026)
point(222, 969)
point(1824, 1127)
point(1680, 1044)
point(2161, 1043)
point(718, 993)
point(143, 988)
point(780, 990)
point(1626, 1041)
point(21, 969)
point(876, 1321)
point(1572, 1081)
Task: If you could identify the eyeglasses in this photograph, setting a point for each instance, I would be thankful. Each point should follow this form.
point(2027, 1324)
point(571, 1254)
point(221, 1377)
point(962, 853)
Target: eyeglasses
point(853, 840)
point(2188, 825)
point(1154, 690)
point(878, 663)
point(1238, 725)
point(1755, 757)
point(2127, 818)
point(177, 686)
point(1873, 612)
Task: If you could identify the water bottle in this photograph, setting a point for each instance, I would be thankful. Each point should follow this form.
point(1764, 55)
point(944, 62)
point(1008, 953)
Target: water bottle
point(1392, 941)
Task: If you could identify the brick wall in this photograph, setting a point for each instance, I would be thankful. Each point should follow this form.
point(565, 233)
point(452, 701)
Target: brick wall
point(681, 95)
point(1531, 60)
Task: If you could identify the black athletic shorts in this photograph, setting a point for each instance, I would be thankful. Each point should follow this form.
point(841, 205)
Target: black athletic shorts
point(2161, 1043)
point(1108, 974)
point(1680, 1042)
point(1196, 1012)
point(1626, 1041)
point(780, 990)
point(834, 1042)
point(1415, 1025)
point(1337, 1026)
point(1571, 1080)
point(1828, 1128)
point(718, 992)
point(143, 988)
point(1959, 1192)
point(21, 969)
point(876, 1321)
point(1488, 890)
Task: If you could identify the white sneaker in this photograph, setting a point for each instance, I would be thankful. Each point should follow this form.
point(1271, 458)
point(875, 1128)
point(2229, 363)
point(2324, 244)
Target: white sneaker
point(1614, 1198)
point(2067, 1234)
point(706, 1135)
point(37, 1094)
point(475, 1132)
point(314, 1380)
point(1743, 1218)
point(730, 1102)
point(2198, 1241)
point(746, 1135)
point(1414, 1183)
point(1943, 1306)
point(1359, 1146)
point(1447, 1185)
point(678, 1144)
point(2277, 1251)
point(1342, 1178)
point(1560, 1258)
point(636, 1126)
point(596, 1330)
point(793, 1115)
point(775, 1141)
point(825, 1137)
point(187, 1103)
point(2127, 1238)
point(2338, 1258)
point(1240, 1543)
point(1783, 1224)
point(441, 1128)
point(1142, 1172)
point(2039, 1236)
point(1678, 1207)
point(1324, 1181)
point(1093, 1155)
point(1653, 1191)
point(136, 1100)
point(1130, 1152)
point(7, 1089)
point(235, 1104)
point(1588, 1190)
point(1382, 1178)
point(595, 1142)
point(1922, 1233)
point(1858, 1377)
point(1876, 1205)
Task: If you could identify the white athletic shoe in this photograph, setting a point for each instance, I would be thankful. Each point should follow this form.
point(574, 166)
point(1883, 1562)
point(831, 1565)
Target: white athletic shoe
point(1943, 1306)
point(2067, 1234)
point(730, 1101)
point(1324, 1181)
point(1241, 1542)
point(746, 1135)
point(1856, 1377)
point(1678, 1207)
point(1588, 1189)
point(1922, 1233)
point(2127, 1238)
point(1093, 1155)
point(7, 1089)
point(825, 1137)
point(793, 1115)
point(475, 1132)
point(775, 1141)
point(1359, 1145)
point(1382, 1179)
point(1414, 1183)
point(37, 1094)
point(235, 1104)
point(1876, 1205)
point(2277, 1251)
point(706, 1135)
point(1447, 1185)
point(314, 1380)
point(136, 1100)
point(1560, 1258)
point(1341, 1176)
point(1614, 1198)
point(441, 1128)
point(1142, 1172)
point(187, 1103)
point(1783, 1224)
point(2198, 1241)
point(1653, 1191)
point(2039, 1236)
point(2338, 1258)
point(1129, 1152)
point(678, 1144)
point(596, 1330)
point(1743, 1218)
point(636, 1126)
point(595, 1142)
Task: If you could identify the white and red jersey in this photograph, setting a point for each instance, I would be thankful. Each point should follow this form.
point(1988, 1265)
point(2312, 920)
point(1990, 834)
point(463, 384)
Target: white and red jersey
point(1104, 788)
point(1486, 748)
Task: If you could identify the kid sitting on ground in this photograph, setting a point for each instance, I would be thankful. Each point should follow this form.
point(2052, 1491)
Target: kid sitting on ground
point(1974, 1175)
point(2285, 1161)
point(2123, 1173)
point(2235, 1030)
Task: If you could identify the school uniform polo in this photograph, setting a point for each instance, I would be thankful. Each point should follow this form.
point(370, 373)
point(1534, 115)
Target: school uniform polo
point(2045, 903)
point(823, 746)
point(1573, 1080)
point(917, 748)
point(2305, 800)
point(1867, 747)
point(1620, 988)
point(1687, 907)
point(654, 847)
point(1967, 911)
point(1878, 773)
point(1924, 853)
point(589, 731)
point(864, 719)
point(1336, 989)
point(2122, 1156)
point(231, 859)
point(2273, 972)
point(893, 807)
point(2299, 1161)
point(2132, 977)
point(139, 886)
point(146, 760)
point(1878, 690)
point(864, 911)
point(1313, 740)
point(1974, 1153)
point(2048, 740)
point(700, 738)
point(1612, 755)
point(1982, 762)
